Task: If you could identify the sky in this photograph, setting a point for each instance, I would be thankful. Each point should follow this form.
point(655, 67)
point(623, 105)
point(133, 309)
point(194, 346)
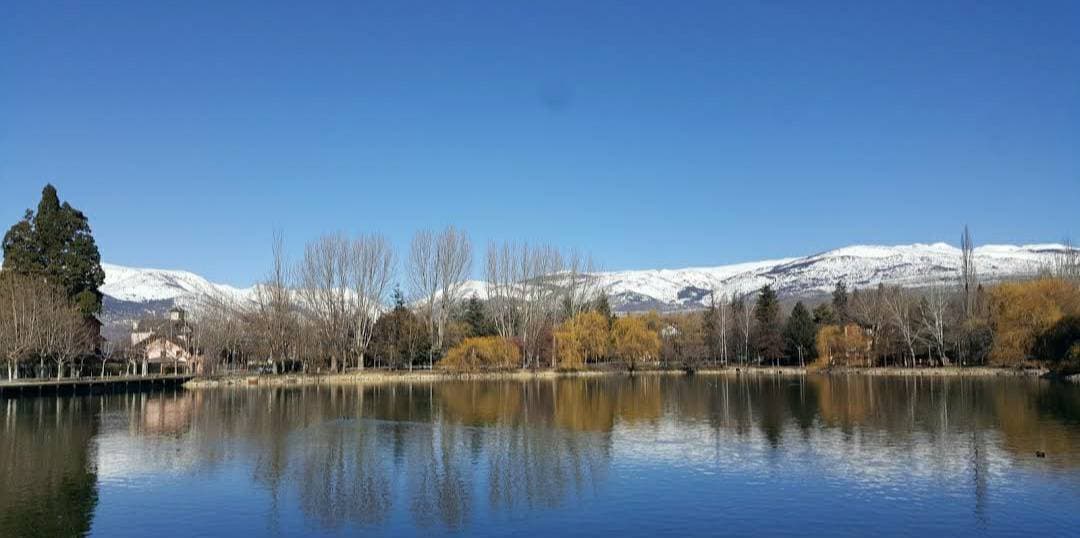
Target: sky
point(649, 134)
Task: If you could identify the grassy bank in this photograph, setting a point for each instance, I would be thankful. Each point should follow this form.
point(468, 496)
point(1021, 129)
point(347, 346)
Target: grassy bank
point(428, 376)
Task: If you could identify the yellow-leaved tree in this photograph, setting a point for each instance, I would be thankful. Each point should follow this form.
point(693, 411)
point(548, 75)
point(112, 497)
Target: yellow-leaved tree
point(846, 345)
point(1020, 312)
point(582, 338)
point(482, 353)
point(633, 341)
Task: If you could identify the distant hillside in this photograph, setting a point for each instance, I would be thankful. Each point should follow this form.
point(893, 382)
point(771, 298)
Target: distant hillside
point(132, 293)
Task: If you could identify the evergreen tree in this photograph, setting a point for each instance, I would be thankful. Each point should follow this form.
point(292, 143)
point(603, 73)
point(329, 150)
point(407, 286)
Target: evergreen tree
point(710, 328)
point(475, 316)
point(799, 334)
point(768, 335)
point(840, 303)
point(602, 306)
point(398, 297)
point(56, 243)
point(399, 338)
point(824, 315)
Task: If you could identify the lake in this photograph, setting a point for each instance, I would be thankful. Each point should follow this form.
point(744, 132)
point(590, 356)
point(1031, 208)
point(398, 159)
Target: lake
point(631, 456)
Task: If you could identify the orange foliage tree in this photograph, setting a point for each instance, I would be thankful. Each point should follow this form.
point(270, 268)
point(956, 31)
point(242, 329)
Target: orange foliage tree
point(1020, 312)
point(582, 338)
point(846, 345)
point(482, 353)
point(633, 340)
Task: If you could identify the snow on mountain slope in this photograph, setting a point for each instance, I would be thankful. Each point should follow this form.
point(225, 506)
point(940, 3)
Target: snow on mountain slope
point(858, 266)
point(145, 285)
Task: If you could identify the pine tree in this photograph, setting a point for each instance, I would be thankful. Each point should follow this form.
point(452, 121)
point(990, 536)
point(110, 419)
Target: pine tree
point(710, 327)
point(799, 334)
point(840, 303)
point(56, 243)
point(398, 297)
point(476, 318)
point(824, 315)
point(603, 306)
point(768, 337)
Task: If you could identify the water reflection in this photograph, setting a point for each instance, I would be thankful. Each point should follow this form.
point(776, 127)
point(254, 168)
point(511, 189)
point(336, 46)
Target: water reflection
point(470, 455)
point(47, 471)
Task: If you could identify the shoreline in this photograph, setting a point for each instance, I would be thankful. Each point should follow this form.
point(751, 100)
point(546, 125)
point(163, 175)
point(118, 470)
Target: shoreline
point(374, 377)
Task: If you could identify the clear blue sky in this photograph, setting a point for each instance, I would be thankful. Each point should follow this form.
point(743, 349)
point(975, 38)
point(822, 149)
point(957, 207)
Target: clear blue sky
point(653, 134)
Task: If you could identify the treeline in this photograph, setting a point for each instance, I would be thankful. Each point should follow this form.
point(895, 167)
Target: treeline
point(336, 308)
point(342, 306)
point(544, 308)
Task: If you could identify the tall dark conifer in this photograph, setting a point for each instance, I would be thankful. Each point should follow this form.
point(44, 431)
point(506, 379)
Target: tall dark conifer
point(768, 337)
point(799, 334)
point(840, 303)
point(477, 319)
point(56, 243)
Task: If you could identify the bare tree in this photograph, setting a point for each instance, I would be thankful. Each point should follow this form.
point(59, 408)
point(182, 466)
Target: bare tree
point(524, 289)
point(22, 318)
point(275, 312)
point(499, 276)
point(371, 267)
point(1066, 264)
point(581, 284)
point(900, 309)
point(722, 310)
point(868, 309)
point(969, 281)
point(453, 255)
point(325, 292)
point(743, 316)
point(423, 275)
point(933, 310)
point(438, 267)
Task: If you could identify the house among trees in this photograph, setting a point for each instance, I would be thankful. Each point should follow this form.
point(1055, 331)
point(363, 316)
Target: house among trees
point(166, 341)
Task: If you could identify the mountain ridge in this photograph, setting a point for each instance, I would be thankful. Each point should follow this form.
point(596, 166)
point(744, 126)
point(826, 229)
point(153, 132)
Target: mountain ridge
point(913, 265)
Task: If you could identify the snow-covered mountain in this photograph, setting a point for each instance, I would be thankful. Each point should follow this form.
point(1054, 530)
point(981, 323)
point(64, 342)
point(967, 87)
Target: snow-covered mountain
point(131, 292)
point(145, 285)
point(860, 266)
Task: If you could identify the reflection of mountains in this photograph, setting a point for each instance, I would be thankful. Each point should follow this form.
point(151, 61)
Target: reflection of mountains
point(438, 449)
point(437, 454)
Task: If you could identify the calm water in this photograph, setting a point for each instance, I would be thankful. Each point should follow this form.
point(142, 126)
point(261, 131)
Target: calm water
point(640, 456)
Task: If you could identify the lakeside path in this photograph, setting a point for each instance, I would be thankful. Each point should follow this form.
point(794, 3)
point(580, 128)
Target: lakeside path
point(372, 377)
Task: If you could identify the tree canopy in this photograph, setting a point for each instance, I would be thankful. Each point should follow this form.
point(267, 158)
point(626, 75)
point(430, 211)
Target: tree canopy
point(55, 243)
point(770, 342)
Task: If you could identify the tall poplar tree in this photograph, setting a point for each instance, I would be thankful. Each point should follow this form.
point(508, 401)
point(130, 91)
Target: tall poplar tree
point(56, 243)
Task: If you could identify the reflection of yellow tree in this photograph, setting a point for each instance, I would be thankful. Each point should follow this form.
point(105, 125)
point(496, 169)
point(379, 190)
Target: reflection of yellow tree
point(845, 401)
point(640, 399)
point(480, 403)
point(584, 405)
point(348, 454)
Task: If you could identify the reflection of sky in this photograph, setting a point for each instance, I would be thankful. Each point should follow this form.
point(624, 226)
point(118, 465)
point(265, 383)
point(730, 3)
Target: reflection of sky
point(859, 481)
point(673, 475)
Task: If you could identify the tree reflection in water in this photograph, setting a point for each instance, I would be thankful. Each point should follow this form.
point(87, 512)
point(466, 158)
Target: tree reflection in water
point(440, 455)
